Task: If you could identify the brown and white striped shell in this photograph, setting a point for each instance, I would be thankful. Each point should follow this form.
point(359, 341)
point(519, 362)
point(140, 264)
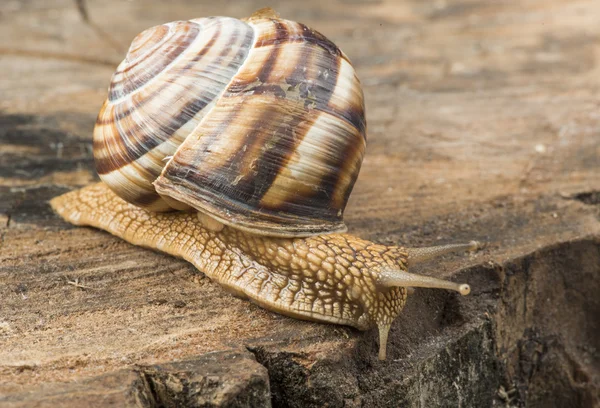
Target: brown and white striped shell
point(258, 123)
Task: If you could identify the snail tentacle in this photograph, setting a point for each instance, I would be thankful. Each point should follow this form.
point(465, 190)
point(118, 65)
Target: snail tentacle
point(384, 330)
point(391, 278)
point(419, 255)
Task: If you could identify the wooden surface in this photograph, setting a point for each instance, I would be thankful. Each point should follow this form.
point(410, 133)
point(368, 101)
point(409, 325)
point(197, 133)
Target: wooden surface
point(483, 122)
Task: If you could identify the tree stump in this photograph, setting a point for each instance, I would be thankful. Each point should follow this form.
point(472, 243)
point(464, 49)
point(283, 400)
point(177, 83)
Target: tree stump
point(483, 123)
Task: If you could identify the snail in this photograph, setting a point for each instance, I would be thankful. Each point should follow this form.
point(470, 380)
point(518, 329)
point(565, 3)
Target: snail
point(234, 144)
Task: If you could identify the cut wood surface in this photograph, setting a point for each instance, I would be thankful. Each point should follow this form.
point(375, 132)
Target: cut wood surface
point(483, 124)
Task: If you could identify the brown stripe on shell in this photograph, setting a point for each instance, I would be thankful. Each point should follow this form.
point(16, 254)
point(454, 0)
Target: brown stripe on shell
point(126, 147)
point(143, 195)
point(319, 39)
point(221, 121)
point(294, 132)
point(348, 103)
point(339, 184)
point(312, 92)
point(151, 37)
point(130, 164)
point(351, 168)
point(270, 146)
point(135, 148)
point(323, 193)
point(176, 49)
point(331, 193)
point(325, 168)
point(217, 172)
point(309, 35)
point(248, 38)
point(107, 149)
point(279, 39)
point(155, 62)
point(263, 60)
point(333, 188)
point(354, 114)
point(233, 176)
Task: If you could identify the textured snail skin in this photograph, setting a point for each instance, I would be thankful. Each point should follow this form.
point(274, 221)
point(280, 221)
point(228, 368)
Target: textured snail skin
point(334, 278)
point(327, 278)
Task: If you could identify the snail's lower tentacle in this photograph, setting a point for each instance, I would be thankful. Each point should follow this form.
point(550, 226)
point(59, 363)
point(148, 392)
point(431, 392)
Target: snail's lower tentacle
point(384, 330)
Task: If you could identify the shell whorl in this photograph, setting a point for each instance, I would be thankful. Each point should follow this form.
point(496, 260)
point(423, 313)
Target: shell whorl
point(258, 123)
point(171, 76)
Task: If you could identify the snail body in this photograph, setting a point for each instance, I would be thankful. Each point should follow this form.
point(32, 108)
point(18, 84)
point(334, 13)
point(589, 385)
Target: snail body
point(262, 156)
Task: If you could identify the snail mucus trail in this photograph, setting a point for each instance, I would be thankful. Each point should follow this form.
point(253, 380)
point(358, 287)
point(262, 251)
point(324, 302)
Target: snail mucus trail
point(255, 129)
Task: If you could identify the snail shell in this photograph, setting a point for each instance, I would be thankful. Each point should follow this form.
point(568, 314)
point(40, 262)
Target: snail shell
point(258, 123)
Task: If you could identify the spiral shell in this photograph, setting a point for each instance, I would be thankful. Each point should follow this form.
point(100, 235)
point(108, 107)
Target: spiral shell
point(258, 123)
